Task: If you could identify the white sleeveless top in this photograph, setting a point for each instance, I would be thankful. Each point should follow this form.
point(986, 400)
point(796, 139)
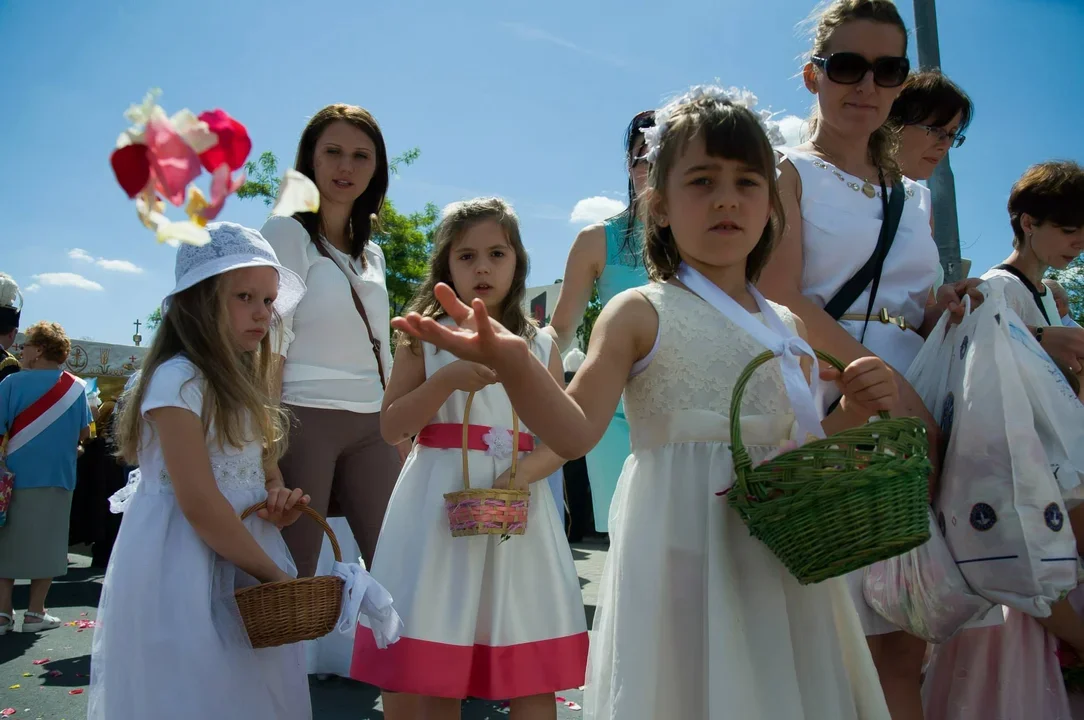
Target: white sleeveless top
point(840, 227)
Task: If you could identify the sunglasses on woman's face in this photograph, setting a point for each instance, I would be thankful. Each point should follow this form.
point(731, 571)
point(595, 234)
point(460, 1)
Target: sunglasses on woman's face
point(847, 68)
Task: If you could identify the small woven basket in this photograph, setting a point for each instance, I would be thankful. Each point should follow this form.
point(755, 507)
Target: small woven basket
point(838, 504)
point(487, 511)
point(287, 612)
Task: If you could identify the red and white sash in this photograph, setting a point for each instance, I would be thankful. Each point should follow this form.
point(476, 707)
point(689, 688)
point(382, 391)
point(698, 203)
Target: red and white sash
point(44, 411)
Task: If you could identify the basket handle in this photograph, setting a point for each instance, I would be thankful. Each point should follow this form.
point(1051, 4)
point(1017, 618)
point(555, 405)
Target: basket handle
point(305, 509)
point(466, 443)
point(742, 461)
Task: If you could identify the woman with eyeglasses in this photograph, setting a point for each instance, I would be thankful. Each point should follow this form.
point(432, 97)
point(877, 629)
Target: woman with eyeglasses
point(932, 113)
point(607, 256)
point(859, 283)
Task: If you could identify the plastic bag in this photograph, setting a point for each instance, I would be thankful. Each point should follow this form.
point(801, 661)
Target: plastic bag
point(923, 592)
point(998, 501)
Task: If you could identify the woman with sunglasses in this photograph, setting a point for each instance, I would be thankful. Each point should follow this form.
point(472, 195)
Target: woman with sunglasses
point(932, 113)
point(606, 256)
point(831, 266)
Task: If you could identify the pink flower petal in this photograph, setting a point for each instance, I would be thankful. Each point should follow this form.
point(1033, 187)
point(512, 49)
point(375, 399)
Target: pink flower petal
point(41, 662)
point(173, 162)
point(7, 712)
point(233, 145)
point(222, 186)
point(76, 691)
point(55, 673)
point(573, 706)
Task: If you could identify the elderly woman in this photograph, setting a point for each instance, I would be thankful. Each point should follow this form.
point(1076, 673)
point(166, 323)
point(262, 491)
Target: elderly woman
point(45, 414)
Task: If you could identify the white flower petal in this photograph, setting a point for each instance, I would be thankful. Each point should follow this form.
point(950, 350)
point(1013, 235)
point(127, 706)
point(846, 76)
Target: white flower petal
point(175, 233)
point(193, 131)
point(296, 194)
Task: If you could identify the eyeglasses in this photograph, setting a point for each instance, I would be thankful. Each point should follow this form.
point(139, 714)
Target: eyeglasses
point(847, 68)
point(954, 139)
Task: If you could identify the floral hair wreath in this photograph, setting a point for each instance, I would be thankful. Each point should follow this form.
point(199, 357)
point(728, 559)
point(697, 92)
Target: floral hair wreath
point(744, 98)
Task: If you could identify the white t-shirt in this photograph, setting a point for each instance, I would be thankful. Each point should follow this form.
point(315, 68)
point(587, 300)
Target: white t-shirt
point(1020, 299)
point(329, 361)
point(179, 383)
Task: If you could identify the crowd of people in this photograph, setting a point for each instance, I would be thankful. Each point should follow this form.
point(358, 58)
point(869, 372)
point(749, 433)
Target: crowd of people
point(271, 379)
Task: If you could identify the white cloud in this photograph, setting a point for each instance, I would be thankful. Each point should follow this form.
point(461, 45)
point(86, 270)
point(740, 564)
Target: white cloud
point(534, 34)
point(67, 279)
point(795, 130)
point(595, 210)
point(33, 287)
point(123, 266)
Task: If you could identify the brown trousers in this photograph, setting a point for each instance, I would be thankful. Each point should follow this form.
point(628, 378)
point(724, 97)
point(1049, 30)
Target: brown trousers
point(338, 454)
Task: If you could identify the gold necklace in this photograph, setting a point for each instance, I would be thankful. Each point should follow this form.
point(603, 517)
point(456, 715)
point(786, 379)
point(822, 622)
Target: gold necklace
point(868, 189)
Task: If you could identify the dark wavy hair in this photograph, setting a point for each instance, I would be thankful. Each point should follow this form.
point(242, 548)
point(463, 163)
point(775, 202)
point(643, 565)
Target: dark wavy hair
point(730, 131)
point(369, 204)
point(1049, 192)
point(930, 96)
point(643, 120)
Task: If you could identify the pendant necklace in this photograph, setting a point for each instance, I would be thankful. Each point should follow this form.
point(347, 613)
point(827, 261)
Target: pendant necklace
point(867, 188)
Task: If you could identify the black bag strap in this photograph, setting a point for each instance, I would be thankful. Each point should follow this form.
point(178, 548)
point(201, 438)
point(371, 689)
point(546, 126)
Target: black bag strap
point(871, 272)
point(1035, 295)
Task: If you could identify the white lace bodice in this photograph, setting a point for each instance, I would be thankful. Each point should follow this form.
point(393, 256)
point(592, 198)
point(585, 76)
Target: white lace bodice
point(700, 355)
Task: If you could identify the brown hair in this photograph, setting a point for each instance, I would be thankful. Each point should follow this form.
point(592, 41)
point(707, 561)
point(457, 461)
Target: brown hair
point(458, 218)
point(237, 398)
point(730, 131)
point(51, 339)
point(929, 95)
point(884, 142)
point(1049, 192)
point(369, 204)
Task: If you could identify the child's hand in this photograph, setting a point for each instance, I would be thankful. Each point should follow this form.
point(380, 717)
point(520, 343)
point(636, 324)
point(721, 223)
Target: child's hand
point(478, 338)
point(467, 376)
point(283, 506)
point(504, 479)
point(868, 385)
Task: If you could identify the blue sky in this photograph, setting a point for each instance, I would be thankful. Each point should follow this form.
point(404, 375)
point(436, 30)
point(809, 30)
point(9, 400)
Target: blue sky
point(524, 100)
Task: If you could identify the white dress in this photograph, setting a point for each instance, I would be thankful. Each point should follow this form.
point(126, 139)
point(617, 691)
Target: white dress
point(696, 618)
point(840, 227)
point(481, 618)
point(170, 644)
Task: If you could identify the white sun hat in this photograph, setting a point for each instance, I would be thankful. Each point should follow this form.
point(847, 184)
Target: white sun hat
point(233, 247)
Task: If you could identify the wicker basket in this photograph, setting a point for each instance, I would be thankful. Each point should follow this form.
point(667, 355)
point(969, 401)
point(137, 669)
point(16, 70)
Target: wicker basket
point(838, 504)
point(287, 612)
point(487, 511)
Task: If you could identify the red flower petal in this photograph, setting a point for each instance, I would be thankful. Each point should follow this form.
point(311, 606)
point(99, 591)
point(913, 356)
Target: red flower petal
point(55, 673)
point(173, 162)
point(233, 145)
point(76, 691)
point(41, 662)
point(7, 712)
point(222, 186)
point(132, 168)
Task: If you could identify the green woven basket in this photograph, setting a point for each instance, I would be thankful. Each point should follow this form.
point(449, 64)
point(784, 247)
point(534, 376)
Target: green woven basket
point(839, 504)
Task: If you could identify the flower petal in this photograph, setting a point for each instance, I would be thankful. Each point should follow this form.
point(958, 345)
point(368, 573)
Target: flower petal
point(132, 168)
point(41, 662)
point(76, 691)
point(7, 712)
point(223, 184)
point(173, 162)
point(197, 203)
point(188, 232)
point(233, 144)
point(149, 208)
point(194, 131)
point(296, 194)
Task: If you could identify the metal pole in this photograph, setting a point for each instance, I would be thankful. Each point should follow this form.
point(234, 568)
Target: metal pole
point(942, 184)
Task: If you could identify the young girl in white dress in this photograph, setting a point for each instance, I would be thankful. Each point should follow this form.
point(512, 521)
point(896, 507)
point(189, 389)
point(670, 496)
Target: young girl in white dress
point(201, 424)
point(696, 618)
point(482, 618)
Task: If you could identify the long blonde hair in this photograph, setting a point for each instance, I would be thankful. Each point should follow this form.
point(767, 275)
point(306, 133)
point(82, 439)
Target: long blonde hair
point(237, 399)
point(884, 142)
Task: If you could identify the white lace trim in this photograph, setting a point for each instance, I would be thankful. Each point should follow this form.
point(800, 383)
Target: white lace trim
point(232, 474)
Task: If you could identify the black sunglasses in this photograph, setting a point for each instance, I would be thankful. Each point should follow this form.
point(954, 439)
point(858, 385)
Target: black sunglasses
point(848, 68)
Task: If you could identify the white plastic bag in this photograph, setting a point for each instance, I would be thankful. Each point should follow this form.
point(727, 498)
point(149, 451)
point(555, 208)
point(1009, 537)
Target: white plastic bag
point(928, 373)
point(923, 592)
point(998, 500)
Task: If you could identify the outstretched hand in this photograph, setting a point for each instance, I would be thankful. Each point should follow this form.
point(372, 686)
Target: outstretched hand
point(477, 337)
point(951, 297)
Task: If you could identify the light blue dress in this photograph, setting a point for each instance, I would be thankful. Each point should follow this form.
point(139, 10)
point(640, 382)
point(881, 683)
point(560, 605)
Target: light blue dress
point(624, 270)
